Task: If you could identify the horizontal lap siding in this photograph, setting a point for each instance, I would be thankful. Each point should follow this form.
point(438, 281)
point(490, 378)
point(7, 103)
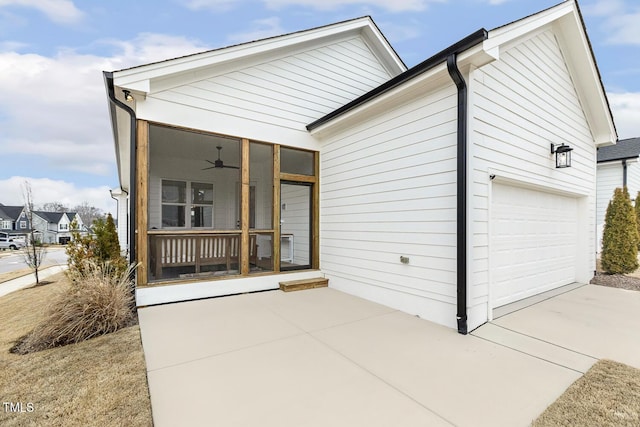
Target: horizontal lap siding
point(519, 105)
point(289, 92)
point(388, 190)
point(609, 178)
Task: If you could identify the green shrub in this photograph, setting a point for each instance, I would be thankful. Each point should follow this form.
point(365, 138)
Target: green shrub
point(102, 249)
point(637, 210)
point(99, 301)
point(620, 238)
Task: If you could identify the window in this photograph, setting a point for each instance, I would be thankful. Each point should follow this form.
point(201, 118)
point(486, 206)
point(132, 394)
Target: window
point(175, 204)
point(6, 225)
point(201, 204)
point(23, 224)
point(64, 227)
point(296, 161)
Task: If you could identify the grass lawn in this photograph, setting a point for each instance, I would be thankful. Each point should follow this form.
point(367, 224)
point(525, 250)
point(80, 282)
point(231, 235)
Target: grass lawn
point(99, 382)
point(608, 395)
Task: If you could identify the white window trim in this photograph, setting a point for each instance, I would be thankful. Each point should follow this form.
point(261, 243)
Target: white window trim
point(187, 205)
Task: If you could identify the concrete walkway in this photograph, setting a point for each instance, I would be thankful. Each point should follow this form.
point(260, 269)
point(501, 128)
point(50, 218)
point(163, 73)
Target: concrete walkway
point(321, 357)
point(29, 279)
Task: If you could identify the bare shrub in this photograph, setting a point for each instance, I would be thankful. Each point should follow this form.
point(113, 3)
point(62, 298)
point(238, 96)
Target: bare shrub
point(98, 302)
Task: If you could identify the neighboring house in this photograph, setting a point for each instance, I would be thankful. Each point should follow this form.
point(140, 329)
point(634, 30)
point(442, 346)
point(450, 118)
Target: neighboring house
point(55, 227)
point(618, 166)
point(432, 190)
point(14, 221)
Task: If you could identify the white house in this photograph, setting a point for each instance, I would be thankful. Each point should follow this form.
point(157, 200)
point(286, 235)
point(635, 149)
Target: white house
point(433, 190)
point(618, 167)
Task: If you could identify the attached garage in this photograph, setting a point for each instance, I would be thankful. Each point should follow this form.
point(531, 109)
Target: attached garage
point(534, 242)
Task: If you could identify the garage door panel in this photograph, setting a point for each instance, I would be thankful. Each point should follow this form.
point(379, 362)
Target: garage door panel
point(533, 242)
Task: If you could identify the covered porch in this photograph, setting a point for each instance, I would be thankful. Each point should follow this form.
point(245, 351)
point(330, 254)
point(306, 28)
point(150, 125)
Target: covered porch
point(212, 207)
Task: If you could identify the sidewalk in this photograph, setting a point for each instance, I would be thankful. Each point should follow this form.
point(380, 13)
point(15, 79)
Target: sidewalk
point(29, 280)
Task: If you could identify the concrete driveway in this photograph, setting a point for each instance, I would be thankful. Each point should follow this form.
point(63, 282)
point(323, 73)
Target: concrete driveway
point(324, 358)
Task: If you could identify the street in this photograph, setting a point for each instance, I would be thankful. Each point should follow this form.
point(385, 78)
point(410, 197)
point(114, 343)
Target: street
point(14, 260)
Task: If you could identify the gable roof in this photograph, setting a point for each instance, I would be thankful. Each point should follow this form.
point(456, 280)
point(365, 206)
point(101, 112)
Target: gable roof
point(566, 20)
point(10, 212)
point(53, 217)
point(139, 79)
point(624, 149)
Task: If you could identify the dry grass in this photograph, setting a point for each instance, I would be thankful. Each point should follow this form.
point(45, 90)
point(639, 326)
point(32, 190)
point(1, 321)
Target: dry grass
point(99, 382)
point(14, 274)
point(98, 302)
point(608, 395)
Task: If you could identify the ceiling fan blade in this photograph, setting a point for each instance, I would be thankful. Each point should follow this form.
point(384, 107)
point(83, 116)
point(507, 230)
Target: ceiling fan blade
point(231, 167)
point(212, 167)
point(209, 161)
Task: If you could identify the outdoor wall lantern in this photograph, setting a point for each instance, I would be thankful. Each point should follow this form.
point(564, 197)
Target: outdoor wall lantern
point(127, 95)
point(563, 155)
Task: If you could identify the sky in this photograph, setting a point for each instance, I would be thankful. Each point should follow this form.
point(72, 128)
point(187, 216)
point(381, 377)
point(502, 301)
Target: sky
point(54, 123)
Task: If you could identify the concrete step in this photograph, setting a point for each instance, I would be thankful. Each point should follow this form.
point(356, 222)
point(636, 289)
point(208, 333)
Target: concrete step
point(299, 285)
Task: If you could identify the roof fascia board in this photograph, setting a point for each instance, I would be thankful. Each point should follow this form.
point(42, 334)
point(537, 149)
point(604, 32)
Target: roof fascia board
point(430, 79)
point(576, 49)
point(616, 162)
point(165, 83)
point(435, 77)
point(382, 49)
point(501, 36)
point(131, 76)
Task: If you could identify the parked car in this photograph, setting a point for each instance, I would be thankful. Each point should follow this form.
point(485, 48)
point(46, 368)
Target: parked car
point(7, 242)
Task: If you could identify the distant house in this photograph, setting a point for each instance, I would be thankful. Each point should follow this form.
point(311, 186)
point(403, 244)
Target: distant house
point(443, 190)
point(55, 227)
point(13, 220)
point(618, 166)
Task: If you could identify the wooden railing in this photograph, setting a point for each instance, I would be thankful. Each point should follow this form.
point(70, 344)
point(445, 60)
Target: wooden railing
point(197, 250)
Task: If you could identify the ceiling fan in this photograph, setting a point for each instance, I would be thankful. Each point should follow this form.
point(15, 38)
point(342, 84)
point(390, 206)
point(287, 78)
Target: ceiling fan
point(218, 164)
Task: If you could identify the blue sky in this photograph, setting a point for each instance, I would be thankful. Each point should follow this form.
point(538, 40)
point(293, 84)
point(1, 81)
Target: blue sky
point(54, 125)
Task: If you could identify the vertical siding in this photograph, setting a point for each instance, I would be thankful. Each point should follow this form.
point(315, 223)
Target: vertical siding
point(388, 190)
point(519, 105)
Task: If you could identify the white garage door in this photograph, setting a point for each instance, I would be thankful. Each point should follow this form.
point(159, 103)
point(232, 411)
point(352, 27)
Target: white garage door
point(533, 242)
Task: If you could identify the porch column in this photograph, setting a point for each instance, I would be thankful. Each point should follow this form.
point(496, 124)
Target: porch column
point(142, 202)
point(244, 212)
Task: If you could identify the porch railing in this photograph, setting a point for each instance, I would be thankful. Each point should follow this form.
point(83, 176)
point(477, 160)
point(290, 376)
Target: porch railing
point(195, 253)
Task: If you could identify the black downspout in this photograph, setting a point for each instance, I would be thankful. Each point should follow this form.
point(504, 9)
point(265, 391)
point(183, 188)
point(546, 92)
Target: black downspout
point(113, 101)
point(624, 173)
point(461, 208)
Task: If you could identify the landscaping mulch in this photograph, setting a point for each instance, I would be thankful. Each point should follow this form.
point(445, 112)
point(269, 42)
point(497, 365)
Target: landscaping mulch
point(620, 281)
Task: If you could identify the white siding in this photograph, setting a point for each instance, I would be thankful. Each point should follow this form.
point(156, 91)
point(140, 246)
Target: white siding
point(274, 100)
point(519, 105)
point(609, 178)
point(633, 178)
point(388, 190)
point(295, 220)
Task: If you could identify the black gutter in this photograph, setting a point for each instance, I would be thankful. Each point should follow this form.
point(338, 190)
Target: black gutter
point(624, 173)
point(113, 103)
point(461, 181)
point(464, 44)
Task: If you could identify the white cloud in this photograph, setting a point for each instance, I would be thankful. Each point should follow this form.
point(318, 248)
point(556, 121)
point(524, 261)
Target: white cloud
point(626, 113)
point(619, 20)
point(215, 5)
point(56, 107)
point(48, 190)
point(390, 5)
point(260, 29)
point(59, 11)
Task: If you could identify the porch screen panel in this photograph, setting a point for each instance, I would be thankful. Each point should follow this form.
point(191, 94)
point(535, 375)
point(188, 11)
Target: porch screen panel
point(260, 207)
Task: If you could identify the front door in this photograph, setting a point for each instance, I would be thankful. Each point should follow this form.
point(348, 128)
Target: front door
point(295, 225)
